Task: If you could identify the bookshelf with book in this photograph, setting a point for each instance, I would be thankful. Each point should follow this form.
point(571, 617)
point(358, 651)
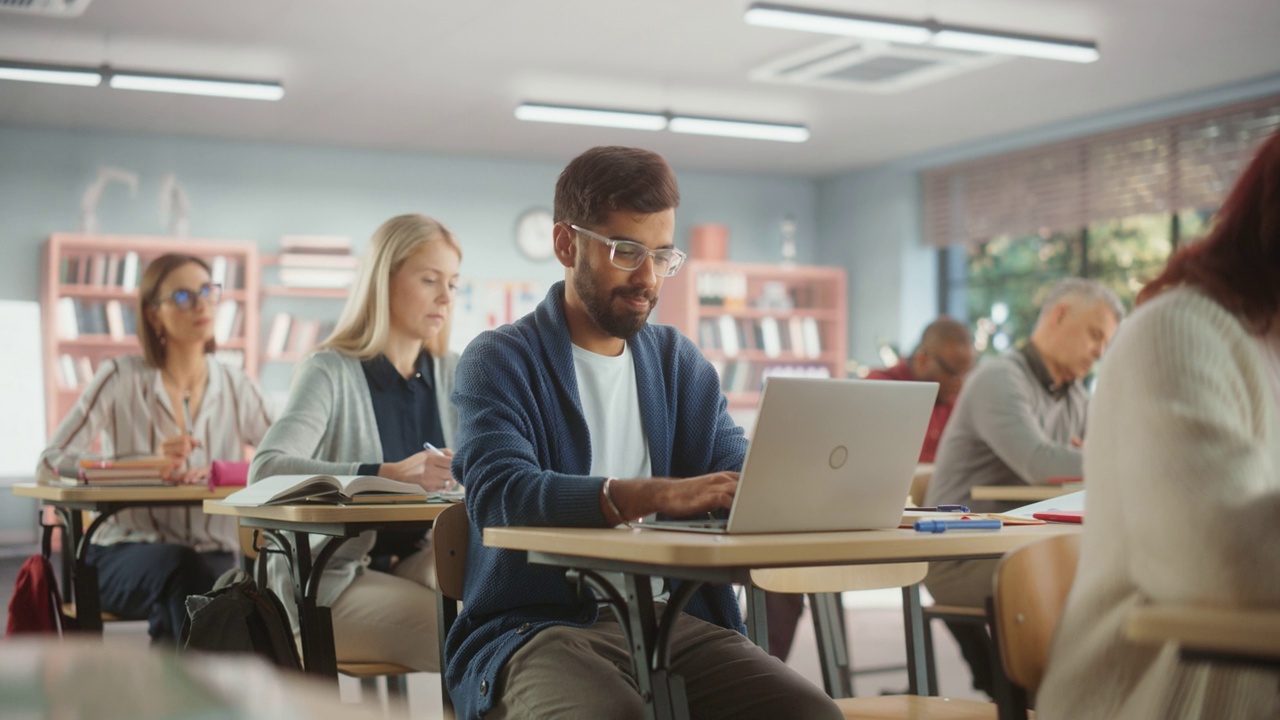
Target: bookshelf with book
point(756, 320)
point(309, 268)
point(88, 301)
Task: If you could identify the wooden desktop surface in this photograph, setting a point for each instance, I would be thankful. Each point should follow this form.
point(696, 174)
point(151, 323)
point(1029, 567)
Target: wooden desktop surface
point(684, 549)
point(125, 493)
point(1023, 493)
point(328, 513)
point(1254, 632)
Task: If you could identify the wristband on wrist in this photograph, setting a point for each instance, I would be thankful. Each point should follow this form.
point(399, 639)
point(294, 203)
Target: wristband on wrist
point(608, 499)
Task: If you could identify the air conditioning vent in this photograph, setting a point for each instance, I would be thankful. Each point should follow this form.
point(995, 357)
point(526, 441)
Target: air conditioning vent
point(870, 66)
point(48, 8)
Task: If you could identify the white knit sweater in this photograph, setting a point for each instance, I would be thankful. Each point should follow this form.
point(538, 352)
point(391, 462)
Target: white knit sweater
point(1183, 469)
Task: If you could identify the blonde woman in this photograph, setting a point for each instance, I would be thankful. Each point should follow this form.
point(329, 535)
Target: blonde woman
point(176, 400)
point(368, 402)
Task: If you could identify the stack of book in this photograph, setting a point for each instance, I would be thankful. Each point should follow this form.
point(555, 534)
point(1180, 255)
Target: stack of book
point(132, 471)
point(317, 261)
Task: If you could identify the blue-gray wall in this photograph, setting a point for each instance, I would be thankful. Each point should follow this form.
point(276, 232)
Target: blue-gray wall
point(260, 191)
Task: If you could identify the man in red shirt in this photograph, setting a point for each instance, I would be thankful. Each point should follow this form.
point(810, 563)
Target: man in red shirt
point(945, 356)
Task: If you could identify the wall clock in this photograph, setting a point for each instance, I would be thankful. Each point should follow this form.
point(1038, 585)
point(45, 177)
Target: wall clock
point(534, 234)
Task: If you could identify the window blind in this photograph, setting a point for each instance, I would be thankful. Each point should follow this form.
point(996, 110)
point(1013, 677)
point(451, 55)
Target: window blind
point(1181, 163)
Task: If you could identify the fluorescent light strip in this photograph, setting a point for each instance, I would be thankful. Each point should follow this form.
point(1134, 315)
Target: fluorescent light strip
point(832, 23)
point(739, 129)
point(920, 33)
point(1010, 45)
point(83, 78)
point(246, 90)
point(589, 116)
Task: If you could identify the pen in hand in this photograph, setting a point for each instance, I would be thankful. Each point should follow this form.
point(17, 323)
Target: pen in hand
point(186, 414)
point(432, 448)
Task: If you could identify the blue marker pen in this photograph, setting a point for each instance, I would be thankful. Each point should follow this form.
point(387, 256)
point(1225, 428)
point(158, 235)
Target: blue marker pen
point(432, 448)
point(937, 526)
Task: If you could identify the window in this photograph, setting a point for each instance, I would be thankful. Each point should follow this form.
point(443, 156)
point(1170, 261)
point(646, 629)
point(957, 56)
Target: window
point(1111, 207)
point(998, 286)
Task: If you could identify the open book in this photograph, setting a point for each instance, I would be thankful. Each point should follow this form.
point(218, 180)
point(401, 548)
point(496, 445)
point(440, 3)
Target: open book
point(280, 489)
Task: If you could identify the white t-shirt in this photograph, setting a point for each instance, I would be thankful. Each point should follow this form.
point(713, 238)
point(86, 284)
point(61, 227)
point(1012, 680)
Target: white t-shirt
point(611, 405)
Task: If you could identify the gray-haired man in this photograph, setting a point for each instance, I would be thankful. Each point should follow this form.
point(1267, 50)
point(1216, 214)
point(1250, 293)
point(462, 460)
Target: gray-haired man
point(1019, 421)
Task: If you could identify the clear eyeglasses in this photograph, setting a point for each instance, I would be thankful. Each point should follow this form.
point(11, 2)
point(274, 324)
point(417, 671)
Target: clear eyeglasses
point(629, 255)
point(185, 299)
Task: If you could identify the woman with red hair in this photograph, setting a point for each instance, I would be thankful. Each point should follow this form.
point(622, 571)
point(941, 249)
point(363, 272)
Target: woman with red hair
point(1183, 471)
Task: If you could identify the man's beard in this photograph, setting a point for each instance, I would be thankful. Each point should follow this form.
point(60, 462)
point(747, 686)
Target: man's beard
point(599, 304)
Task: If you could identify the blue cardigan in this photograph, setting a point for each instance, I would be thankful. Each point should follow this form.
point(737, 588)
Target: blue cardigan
point(524, 454)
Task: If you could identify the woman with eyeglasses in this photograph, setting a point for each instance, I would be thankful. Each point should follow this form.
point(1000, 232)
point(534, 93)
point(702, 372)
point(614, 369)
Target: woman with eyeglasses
point(374, 400)
point(174, 400)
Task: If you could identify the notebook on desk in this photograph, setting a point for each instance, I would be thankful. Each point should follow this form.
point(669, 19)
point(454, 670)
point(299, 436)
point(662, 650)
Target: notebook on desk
point(827, 455)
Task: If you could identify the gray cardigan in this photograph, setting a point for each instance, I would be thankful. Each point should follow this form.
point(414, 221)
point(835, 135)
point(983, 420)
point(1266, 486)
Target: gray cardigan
point(328, 427)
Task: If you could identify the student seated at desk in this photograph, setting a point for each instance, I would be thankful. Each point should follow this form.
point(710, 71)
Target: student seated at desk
point(553, 410)
point(1183, 468)
point(365, 404)
point(1019, 420)
point(174, 400)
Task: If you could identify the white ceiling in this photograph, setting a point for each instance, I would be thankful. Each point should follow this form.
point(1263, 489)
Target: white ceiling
point(446, 76)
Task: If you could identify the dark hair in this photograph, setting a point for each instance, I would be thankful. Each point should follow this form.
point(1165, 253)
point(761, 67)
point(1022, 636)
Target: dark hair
point(1238, 263)
point(609, 178)
point(149, 296)
point(942, 332)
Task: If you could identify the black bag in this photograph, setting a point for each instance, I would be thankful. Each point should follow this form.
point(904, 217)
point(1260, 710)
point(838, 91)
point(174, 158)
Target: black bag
point(239, 616)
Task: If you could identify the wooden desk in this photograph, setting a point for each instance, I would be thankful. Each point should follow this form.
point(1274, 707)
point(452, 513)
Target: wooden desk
point(80, 579)
point(1023, 493)
point(699, 558)
point(339, 522)
point(1249, 636)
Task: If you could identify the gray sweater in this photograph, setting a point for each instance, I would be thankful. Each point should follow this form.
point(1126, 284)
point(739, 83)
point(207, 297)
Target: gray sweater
point(328, 427)
point(1008, 428)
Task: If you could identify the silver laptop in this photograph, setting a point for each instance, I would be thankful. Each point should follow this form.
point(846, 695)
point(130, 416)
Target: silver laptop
point(826, 455)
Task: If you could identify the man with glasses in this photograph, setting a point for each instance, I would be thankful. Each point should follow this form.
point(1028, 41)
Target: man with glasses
point(1020, 421)
point(945, 356)
point(581, 414)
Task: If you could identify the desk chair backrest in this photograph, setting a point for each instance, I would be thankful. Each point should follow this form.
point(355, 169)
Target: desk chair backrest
point(449, 543)
point(842, 578)
point(1030, 592)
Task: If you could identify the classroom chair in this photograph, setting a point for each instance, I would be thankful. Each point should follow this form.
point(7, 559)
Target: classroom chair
point(449, 543)
point(822, 580)
point(1029, 593)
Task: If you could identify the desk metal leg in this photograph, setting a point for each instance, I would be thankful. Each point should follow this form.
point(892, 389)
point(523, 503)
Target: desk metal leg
point(315, 622)
point(757, 617)
point(663, 691)
point(833, 643)
point(913, 624)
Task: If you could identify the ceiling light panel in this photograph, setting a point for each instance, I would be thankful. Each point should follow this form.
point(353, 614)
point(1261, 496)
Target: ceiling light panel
point(1013, 45)
point(832, 23)
point(535, 112)
point(739, 129)
point(56, 76)
point(246, 90)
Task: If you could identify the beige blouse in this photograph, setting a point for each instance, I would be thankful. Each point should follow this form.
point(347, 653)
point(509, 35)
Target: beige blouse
point(126, 404)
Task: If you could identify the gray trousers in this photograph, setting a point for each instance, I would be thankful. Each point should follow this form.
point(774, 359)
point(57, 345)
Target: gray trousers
point(567, 672)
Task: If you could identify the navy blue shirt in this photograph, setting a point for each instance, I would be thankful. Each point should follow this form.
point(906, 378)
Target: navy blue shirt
point(407, 416)
point(405, 408)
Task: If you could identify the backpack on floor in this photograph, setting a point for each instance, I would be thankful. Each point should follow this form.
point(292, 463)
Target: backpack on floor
point(36, 605)
point(239, 616)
